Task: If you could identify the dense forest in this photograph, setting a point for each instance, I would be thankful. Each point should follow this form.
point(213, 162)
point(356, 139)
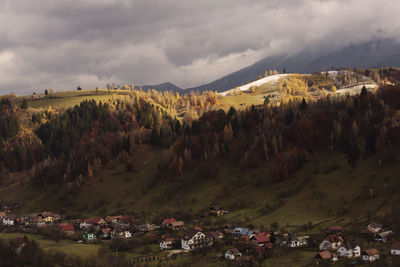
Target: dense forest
point(70, 146)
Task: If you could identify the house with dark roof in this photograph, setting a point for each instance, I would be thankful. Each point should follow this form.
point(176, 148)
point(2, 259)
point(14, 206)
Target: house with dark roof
point(233, 254)
point(9, 220)
point(332, 242)
point(36, 221)
point(216, 211)
point(395, 249)
point(217, 235)
point(349, 248)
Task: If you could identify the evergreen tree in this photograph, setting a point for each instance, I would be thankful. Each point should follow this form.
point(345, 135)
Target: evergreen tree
point(354, 154)
point(303, 104)
point(154, 137)
point(363, 92)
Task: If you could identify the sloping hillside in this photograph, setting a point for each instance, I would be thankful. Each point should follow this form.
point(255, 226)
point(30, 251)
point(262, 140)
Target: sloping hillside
point(326, 191)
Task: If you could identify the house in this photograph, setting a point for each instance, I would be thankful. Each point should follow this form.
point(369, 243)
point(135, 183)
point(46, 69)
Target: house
point(177, 225)
point(95, 221)
point(349, 248)
point(2, 214)
point(21, 221)
point(148, 227)
point(262, 239)
point(105, 233)
point(216, 211)
point(49, 217)
point(331, 242)
point(9, 220)
point(395, 249)
point(238, 232)
point(36, 221)
point(295, 242)
point(374, 227)
point(325, 256)
point(217, 235)
point(127, 234)
point(195, 239)
point(383, 236)
point(168, 221)
point(336, 230)
point(128, 220)
point(113, 219)
point(232, 254)
point(68, 229)
point(114, 234)
point(260, 251)
point(118, 233)
point(370, 255)
point(166, 243)
point(228, 229)
point(89, 237)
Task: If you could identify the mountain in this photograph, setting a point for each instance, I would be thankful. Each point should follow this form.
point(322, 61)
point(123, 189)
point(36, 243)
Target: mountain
point(167, 86)
point(371, 54)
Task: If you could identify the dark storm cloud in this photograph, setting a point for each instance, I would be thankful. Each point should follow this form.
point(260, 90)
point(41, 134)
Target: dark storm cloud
point(62, 43)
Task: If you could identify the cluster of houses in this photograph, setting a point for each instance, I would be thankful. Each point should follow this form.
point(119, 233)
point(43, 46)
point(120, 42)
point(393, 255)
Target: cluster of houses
point(336, 245)
point(92, 229)
point(252, 242)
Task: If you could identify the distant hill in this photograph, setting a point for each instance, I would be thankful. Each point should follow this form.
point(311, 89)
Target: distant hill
point(167, 86)
point(377, 53)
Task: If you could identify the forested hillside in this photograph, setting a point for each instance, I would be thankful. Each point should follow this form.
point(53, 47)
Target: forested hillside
point(70, 147)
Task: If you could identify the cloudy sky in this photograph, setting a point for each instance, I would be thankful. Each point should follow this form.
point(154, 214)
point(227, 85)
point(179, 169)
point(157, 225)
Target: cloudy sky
point(63, 43)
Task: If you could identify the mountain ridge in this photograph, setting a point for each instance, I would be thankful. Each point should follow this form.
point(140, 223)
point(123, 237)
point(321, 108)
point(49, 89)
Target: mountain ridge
point(370, 54)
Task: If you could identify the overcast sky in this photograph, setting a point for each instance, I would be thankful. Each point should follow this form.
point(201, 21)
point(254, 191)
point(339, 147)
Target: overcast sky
point(63, 43)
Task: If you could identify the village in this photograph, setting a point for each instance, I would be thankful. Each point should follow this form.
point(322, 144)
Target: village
point(236, 245)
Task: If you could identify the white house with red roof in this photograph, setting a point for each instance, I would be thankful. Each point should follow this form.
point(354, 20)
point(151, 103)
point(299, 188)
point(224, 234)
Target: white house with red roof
point(68, 229)
point(262, 239)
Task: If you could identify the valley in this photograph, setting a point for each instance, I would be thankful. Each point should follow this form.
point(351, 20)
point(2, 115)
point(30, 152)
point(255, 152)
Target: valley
point(278, 155)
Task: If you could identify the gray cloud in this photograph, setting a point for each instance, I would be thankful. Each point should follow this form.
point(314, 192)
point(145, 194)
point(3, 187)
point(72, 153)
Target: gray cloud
point(62, 43)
